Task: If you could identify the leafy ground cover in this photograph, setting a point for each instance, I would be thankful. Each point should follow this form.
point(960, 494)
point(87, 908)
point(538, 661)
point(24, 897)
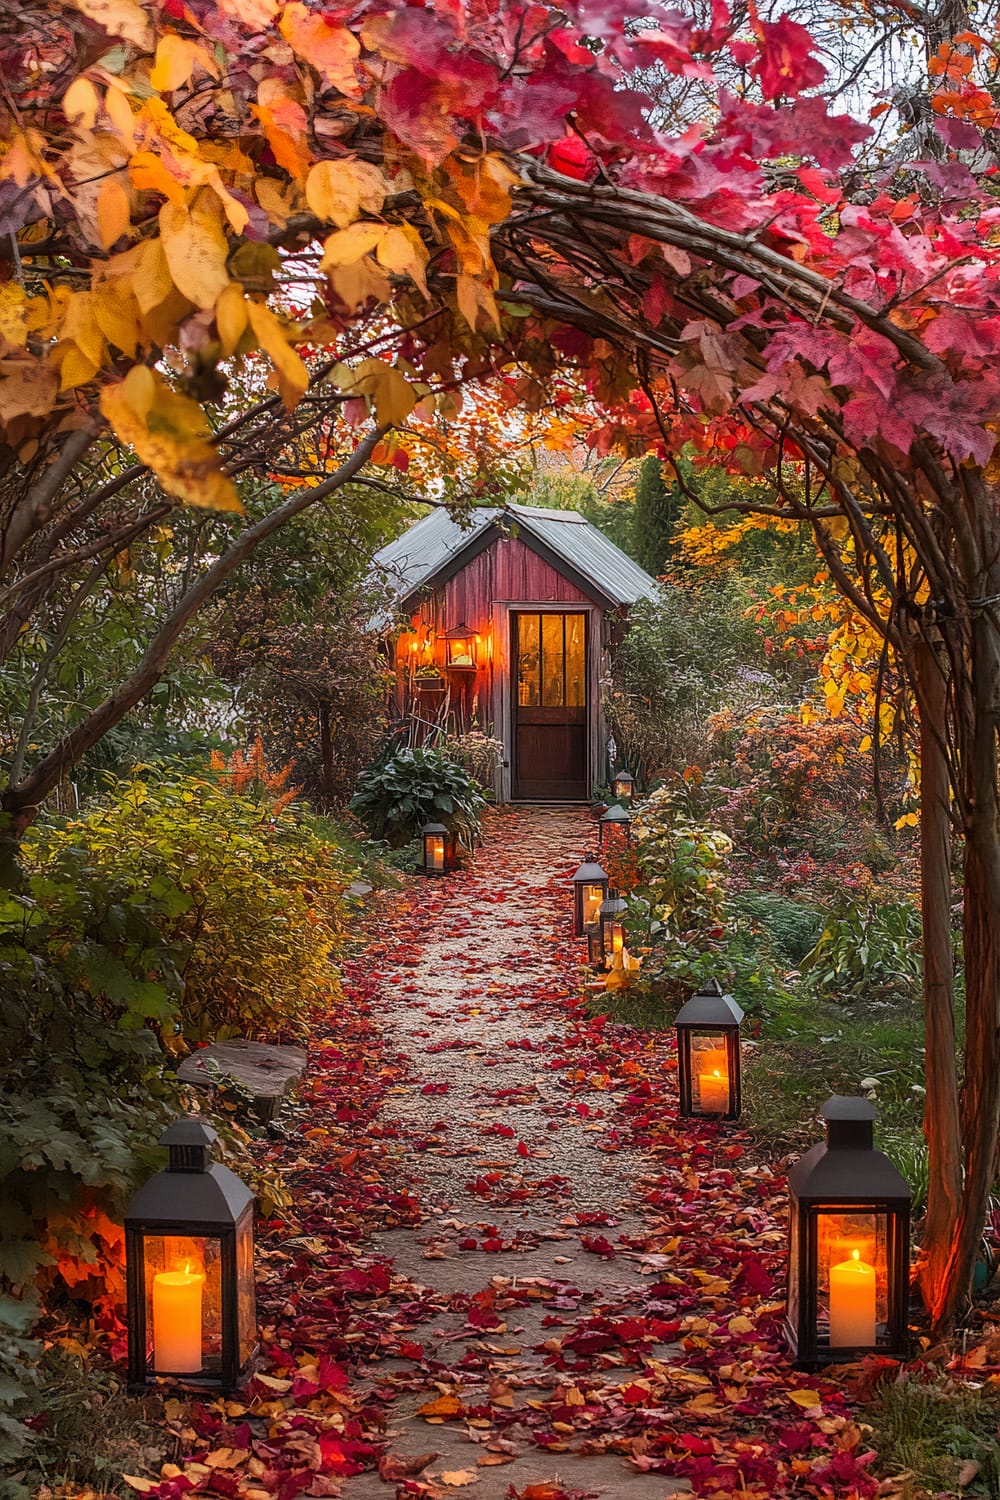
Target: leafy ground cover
point(507, 1266)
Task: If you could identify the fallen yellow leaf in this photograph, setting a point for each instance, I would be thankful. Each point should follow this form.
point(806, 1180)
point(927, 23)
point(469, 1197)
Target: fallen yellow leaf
point(805, 1398)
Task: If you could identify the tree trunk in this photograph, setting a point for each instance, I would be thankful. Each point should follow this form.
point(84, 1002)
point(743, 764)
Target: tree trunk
point(942, 1127)
point(980, 1102)
point(326, 750)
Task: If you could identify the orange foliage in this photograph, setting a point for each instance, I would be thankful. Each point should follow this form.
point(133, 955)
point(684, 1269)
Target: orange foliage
point(250, 774)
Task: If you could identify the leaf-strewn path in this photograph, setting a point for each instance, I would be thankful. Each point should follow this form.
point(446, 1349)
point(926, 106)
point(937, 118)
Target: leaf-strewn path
point(512, 1269)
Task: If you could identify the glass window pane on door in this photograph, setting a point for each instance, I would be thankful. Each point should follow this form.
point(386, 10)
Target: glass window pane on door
point(553, 661)
point(576, 661)
point(528, 661)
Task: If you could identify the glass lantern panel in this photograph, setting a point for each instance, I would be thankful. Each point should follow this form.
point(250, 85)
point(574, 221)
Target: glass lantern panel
point(434, 851)
point(709, 1073)
point(460, 653)
point(614, 942)
point(794, 1289)
point(245, 1291)
point(593, 895)
point(183, 1303)
point(852, 1277)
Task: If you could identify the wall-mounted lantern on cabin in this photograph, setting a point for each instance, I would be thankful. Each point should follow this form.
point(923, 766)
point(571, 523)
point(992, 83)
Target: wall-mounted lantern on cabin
point(438, 849)
point(590, 886)
point(708, 1055)
point(849, 1245)
point(615, 817)
point(189, 1269)
point(612, 925)
point(624, 785)
point(460, 648)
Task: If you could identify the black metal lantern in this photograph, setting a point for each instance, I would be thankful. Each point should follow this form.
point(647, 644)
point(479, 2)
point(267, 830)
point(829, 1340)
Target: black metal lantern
point(849, 1244)
point(590, 886)
point(615, 817)
point(460, 648)
point(438, 849)
point(612, 925)
point(708, 1055)
point(624, 785)
point(189, 1269)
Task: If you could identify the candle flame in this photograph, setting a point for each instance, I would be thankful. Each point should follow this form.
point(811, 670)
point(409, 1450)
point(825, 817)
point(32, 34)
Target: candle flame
point(717, 1075)
point(856, 1254)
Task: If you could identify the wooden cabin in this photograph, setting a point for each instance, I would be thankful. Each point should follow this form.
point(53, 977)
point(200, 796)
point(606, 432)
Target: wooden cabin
point(512, 621)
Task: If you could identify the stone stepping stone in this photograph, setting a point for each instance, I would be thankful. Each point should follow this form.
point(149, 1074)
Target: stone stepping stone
point(262, 1072)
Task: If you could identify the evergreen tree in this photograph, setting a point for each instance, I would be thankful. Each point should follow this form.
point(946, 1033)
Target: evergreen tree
point(657, 510)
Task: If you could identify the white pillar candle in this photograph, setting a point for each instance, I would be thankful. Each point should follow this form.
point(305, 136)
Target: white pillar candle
point(177, 1322)
point(852, 1304)
point(713, 1092)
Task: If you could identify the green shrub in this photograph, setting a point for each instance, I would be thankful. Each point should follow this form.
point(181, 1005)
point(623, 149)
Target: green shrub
point(681, 864)
point(247, 897)
point(869, 948)
point(175, 911)
point(790, 928)
point(18, 1353)
point(396, 798)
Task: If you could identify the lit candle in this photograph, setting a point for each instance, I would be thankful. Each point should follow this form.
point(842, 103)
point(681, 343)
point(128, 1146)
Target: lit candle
point(617, 939)
point(852, 1304)
point(177, 1322)
point(437, 852)
point(713, 1092)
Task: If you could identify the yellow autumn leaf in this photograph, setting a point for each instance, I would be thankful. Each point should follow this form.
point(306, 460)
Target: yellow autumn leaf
point(122, 18)
point(473, 297)
point(81, 103)
point(136, 1482)
point(14, 314)
point(908, 820)
point(345, 246)
point(402, 251)
point(458, 1478)
point(441, 1406)
point(271, 336)
point(116, 313)
point(151, 281)
point(340, 190)
point(27, 390)
point(384, 386)
point(114, 216)
point(148, 174)
point(805, 1399)
point(231, 317)
point(167, 432)
point(176, 60)
point(195, 245)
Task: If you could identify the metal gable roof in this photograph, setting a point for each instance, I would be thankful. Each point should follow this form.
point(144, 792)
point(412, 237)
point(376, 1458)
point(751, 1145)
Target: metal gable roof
point(433, 543)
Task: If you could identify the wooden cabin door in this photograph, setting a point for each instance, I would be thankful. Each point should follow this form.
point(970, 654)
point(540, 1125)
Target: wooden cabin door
point(549, 698)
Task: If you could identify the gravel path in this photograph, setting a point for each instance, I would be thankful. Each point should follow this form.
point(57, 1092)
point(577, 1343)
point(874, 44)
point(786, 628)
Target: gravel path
point(519, 1183)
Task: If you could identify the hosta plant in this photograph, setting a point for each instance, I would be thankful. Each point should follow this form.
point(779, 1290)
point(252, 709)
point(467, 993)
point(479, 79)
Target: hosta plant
point(416, 786)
